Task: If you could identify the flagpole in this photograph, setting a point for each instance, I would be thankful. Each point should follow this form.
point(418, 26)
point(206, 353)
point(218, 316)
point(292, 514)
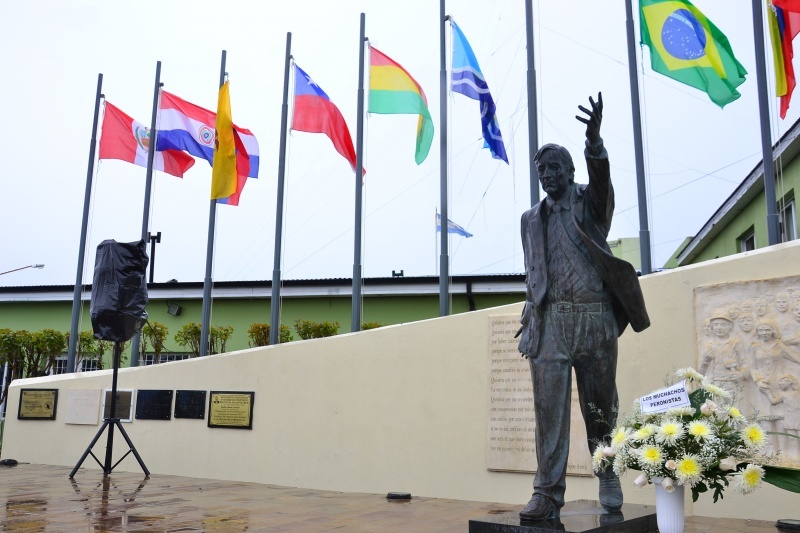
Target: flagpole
point(533, 119)
point(355, 323)
point(87, 198)
point(148, 185)
point(444, 265)
point(275, 304)
point(212, 216)
point(773, 233)
point(633, 76)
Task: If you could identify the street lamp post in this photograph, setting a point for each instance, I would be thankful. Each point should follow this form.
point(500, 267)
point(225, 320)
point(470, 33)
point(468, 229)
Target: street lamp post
point(21, 268)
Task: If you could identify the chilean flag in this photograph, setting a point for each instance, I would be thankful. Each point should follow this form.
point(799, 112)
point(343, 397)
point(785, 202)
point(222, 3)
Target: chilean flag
point(127, 140)
point(315, 113)
point(190, 128)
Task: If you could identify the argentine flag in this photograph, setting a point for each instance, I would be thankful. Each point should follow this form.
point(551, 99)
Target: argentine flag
point(468, 80)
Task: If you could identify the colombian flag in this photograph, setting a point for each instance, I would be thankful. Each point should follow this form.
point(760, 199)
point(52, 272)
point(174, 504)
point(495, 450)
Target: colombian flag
point(689, 48)
point(392, 91)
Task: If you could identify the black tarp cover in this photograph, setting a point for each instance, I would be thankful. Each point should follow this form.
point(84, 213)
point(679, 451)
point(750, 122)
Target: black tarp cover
point(119, 290)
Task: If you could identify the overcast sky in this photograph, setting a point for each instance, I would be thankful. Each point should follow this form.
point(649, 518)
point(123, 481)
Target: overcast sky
point(696, 153)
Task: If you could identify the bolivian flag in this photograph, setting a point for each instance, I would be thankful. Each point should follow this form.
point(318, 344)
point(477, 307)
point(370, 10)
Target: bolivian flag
point(392, 90)
point(689, 48)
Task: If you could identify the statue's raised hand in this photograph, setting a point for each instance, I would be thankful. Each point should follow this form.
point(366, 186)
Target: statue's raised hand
point(593, 119)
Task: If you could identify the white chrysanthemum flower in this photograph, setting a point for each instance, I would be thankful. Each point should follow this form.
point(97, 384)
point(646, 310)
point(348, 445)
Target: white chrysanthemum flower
point(669, 432)
point(700, 430)
point(688, 470)
point(598, 459)
point(619, 437)
point(734, 414)
point(754, 437)
point(689, 373)
point(680, 411)
point(749, 479)
point(713, 390)
point(644, 432)
point(651, 455)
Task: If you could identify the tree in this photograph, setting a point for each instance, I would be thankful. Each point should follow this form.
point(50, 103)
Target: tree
point(259, 334)
point(154, 335)
point(218, 338)
point(41, 350)
point(11, 353)
point(189, 335)
point(87, 348)
point(307, 329)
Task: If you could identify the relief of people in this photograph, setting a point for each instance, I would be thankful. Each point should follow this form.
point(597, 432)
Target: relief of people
point(751, 348)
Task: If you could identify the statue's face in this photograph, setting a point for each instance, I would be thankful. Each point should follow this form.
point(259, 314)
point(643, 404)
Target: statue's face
point(796, 312)
point(733, 311)
point(760, 307)
point(781, 303)
point(764, 332)
point(553, 175)
point(721, 327)
point(746, 323)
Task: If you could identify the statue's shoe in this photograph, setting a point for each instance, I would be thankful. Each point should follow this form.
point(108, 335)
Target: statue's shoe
point(539, 508)
point(610, 494)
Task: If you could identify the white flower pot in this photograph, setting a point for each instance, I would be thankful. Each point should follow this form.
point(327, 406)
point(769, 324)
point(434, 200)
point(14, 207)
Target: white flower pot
point(669, 508)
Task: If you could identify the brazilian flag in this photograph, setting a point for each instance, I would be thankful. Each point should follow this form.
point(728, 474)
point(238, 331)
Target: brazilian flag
point(688, 48)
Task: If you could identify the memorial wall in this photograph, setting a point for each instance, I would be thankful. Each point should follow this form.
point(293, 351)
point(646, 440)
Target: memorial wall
point(406, 407)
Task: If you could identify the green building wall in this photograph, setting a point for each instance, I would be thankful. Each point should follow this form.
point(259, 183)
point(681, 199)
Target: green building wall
point(240, 313)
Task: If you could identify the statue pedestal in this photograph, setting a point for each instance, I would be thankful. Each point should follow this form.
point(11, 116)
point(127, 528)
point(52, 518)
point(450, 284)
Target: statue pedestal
point(580, 516)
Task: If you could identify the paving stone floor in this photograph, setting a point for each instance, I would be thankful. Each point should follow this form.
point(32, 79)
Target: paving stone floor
point(43, 498)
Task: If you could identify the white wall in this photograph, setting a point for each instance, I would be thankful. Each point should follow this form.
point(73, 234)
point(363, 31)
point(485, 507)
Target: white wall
point(400, 408)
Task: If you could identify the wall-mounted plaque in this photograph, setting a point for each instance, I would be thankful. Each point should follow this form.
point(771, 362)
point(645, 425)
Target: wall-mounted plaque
point(510, 435)
point(229, 409)
point(37, 404)
point(153, 404)
point(82, 406)
point(190, 404)
point(124, 407)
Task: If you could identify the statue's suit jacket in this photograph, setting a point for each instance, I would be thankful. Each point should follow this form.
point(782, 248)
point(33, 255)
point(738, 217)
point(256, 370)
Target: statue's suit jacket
point(592, 207)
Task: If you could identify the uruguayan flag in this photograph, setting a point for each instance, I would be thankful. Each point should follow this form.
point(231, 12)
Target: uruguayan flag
point(468, 80)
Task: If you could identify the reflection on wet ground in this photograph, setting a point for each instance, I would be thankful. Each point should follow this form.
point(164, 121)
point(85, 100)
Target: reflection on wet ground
point(43, 498)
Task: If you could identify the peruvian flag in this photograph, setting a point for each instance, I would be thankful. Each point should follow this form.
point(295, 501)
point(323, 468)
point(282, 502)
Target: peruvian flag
point(125, 139)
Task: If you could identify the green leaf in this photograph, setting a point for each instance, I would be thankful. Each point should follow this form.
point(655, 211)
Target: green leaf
point(697, 398)
point(783, 478)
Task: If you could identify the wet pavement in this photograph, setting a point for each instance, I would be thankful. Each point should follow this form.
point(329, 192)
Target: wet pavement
point(43, 498)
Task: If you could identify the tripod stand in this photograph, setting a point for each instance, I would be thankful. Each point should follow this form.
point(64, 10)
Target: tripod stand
point(110, 423)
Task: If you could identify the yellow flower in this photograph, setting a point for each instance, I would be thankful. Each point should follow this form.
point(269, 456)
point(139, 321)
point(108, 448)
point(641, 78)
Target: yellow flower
point(597, 459)
point(651, 455)
point(688, 470)
point(700, 430)
point(619, 437)
point(714, 390)
point(669, 432)
point(754, 436)
point(644, 432)
point(735, 414)
point(749, 479)
point(689, 373)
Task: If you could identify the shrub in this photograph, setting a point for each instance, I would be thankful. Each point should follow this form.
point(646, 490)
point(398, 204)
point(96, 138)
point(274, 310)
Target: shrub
point(154, 335)
point(307, 329)
point(259, 334)
point(189, 335)
point(371, 325)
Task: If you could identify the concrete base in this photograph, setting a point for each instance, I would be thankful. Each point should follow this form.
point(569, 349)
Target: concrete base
point(580, 516)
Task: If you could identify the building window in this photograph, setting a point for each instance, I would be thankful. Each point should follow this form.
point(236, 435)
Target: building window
point(60, 366)
point(149, 358)
point(788, 221)
point(87, 365)
point(747, 241)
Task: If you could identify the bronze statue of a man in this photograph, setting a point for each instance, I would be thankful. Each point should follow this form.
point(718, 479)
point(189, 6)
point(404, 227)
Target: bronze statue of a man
point(579, 299)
